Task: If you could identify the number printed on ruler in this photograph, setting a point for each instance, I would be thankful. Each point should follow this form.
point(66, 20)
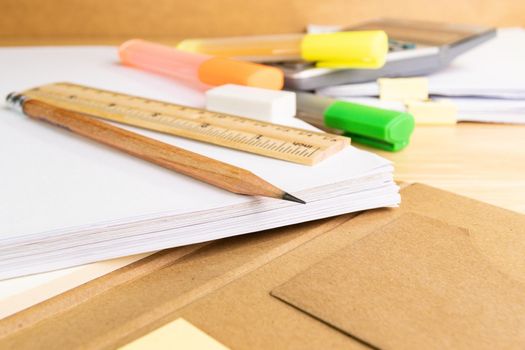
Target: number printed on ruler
point(271, 140)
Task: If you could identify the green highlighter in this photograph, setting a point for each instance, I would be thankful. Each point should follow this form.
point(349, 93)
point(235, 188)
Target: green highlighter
point(376, 127)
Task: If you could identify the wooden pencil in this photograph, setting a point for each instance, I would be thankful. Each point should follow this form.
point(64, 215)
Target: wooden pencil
point(211, 171)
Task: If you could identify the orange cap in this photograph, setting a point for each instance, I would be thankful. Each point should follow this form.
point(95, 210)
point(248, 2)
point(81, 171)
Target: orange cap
point(222, 70)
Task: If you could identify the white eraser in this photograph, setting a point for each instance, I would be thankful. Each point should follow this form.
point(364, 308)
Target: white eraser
point(262, 104)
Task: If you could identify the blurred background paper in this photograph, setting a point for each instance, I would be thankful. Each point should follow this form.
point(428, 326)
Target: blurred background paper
point(487, 83)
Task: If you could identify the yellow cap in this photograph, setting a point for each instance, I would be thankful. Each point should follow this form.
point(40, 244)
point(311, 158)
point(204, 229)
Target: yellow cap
point(359, 49)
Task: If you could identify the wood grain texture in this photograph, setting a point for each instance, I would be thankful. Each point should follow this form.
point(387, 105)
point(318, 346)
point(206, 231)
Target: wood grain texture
point(481, 161)
point(65, 19)
point(225, 176)
point(271, 140)
point(78, 295)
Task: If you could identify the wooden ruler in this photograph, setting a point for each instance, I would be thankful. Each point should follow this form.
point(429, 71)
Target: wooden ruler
point(271, 140)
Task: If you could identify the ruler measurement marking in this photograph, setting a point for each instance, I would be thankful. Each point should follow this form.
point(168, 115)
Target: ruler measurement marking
point(281, 146)
point(312, 153)
point(220, 129)
point(222, 133)
point(243, 139)
point(234, 136)
point(274, 146)
point(291, 130)
point(252, 141)
point(238, 137)
point(304, 152)
point(230, 135)
point(264, 143)
point(298, 150)
point(255, 123)
point(286, 150)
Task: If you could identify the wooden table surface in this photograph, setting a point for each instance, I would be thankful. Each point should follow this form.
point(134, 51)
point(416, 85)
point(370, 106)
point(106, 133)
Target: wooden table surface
point(482, 161)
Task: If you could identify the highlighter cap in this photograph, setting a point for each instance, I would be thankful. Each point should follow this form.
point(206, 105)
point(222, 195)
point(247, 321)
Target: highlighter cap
point(189, 66)
point(381, 128)
point(356, 49)
point(221, 70)
point(377, 127)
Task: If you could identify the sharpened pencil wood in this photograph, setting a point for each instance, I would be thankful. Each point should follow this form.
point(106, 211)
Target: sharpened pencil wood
point(211, 171)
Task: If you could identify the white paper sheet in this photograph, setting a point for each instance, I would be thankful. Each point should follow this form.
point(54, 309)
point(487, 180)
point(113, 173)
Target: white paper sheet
point(57, 187)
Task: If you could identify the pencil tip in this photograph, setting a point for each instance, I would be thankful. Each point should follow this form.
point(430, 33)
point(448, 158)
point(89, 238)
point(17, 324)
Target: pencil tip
point(289, 197)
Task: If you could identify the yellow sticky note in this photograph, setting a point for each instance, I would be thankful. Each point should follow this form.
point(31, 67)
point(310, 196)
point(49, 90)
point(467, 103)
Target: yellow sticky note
point(179, 334)
point(441, 112)
point(403, 89)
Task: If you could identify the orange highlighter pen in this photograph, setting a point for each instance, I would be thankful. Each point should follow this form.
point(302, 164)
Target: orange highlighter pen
point(198, 68)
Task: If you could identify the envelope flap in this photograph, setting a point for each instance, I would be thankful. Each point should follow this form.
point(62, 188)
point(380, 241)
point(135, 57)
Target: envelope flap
point(415, 283)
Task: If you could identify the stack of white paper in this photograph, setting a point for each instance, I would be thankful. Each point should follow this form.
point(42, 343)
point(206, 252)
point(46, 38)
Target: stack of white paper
point(487, 83)
point(67, 201)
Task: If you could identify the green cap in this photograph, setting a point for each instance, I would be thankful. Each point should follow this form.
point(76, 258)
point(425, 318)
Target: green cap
point(381, 128)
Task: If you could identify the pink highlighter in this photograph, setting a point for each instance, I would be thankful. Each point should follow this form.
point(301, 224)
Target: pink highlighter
point(198, 68)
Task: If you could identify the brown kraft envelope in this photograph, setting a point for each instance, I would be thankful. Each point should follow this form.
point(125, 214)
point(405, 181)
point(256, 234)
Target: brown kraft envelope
point(416, 283)
point(223, 287)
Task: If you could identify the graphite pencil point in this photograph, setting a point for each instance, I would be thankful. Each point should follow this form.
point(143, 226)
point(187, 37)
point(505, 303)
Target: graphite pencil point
point(289, 197)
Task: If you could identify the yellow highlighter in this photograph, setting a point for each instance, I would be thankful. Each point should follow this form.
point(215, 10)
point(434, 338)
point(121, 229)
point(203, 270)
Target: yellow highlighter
point(355, 49)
